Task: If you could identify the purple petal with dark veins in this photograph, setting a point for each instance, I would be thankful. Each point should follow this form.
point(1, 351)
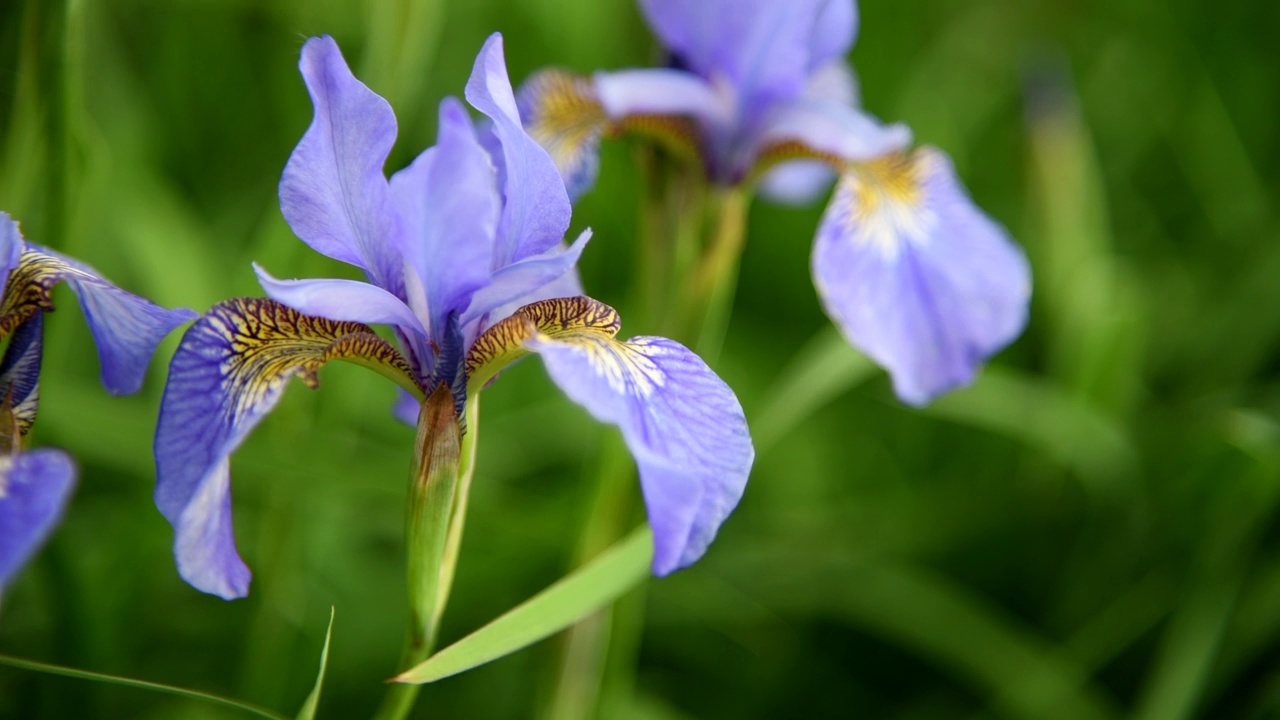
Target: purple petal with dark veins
point(229, 371)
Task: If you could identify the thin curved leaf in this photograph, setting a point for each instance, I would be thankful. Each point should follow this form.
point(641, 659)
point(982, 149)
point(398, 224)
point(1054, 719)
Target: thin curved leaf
point(582, 592)
point(308, 711)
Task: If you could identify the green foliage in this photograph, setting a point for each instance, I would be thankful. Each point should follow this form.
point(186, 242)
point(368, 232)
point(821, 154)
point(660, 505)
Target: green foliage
point(1085, 533)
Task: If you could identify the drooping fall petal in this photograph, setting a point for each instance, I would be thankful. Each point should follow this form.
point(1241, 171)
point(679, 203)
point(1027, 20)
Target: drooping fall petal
point(683, 425)
point(34, 489)
point(916, 276)
point(126, 328)
point(229, 371)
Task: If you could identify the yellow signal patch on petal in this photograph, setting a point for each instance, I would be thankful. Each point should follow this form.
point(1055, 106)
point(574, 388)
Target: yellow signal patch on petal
point(571, 319)
point(883, 201)
point(266, 343)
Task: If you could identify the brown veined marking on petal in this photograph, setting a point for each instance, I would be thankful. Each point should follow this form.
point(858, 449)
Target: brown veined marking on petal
point(676, 133)
point(778, 153)
point(503, 343)
point(29, 287)
point(268, 342)
point(566, 115)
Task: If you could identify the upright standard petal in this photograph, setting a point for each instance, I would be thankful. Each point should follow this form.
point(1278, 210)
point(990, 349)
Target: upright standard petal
point(684, 426)
point(228, 373)
point(34, 489)
point(448, 198)
point(833, 32)
point(535, 211)
point(126, 328)
point(567, 285)
point(800, 182)
point(526, 278)
point(763, 48)
point(333, 192)
point(916, 276)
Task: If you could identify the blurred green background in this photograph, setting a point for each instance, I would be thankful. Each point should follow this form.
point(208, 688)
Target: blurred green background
point(1088, 532)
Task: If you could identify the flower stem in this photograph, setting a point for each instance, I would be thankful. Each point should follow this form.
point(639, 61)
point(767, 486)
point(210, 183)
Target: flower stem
point(709, 291)
point(444, 460)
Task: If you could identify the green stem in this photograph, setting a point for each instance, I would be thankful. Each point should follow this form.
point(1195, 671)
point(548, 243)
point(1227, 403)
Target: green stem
point(444, 462)
point(710, 289)
point(453, 542)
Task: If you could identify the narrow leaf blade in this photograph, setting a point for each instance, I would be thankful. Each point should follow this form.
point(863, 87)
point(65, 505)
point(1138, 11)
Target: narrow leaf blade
point(35, 666)
point(308, 711)
point(573, 597)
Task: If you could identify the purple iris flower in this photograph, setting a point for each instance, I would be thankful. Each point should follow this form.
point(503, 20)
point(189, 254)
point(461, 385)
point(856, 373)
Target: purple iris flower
point(35, 485)
point(464, 259)
point(913, 273)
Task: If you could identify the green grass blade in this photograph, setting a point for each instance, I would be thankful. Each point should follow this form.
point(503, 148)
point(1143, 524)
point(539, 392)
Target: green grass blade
point(143, 684)
point(572, 598)
point(308, 711)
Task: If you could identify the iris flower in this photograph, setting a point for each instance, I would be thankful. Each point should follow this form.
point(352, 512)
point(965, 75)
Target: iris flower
point(913, 273)
point(35, 485)
point(463, 256)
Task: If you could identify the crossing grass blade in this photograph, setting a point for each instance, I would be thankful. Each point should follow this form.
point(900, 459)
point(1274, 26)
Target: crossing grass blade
point(35, 666)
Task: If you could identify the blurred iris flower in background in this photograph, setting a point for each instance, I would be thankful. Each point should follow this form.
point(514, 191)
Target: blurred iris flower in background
point(914, 274)
point(463, 254)
point(35, 485)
